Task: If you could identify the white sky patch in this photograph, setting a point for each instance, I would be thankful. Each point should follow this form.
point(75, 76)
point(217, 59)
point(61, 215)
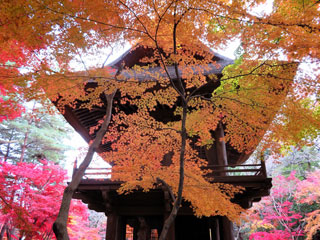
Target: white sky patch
point(97, 58)
point(229, 50)
point(261, 10)
point(78, 154)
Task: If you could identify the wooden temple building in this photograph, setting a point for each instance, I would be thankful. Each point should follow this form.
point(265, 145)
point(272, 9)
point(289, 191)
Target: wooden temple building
point(128, 215)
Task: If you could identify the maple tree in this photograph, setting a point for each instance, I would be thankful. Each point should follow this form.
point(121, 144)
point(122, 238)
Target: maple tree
point(9, 110)
point(28, 199)
point(290, 212)
point(175, 30)
point(10, 58)
point(289, 31)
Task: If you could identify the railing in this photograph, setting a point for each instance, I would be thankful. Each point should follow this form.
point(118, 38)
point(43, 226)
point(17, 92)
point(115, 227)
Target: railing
point(239, 170)
point(98, 173)
point(217, 170)
point(93, 173)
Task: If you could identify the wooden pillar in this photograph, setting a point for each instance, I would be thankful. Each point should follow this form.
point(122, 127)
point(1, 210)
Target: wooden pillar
point(220, 147)
point(114, 227)
point(144, 231)
point(214, 226)
point(226, 229)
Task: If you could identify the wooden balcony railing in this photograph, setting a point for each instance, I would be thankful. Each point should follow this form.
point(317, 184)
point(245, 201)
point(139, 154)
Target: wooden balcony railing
point(245, 170)
point(239, 170)
point(95, 173)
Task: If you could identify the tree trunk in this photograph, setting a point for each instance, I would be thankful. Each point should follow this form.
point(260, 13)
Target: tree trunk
point(60, 225)
point(179, 88)
point(168, 222)
point(3, 229)
point(26, 137)
point(9, 233)
point(24, 146)
point(8, 147)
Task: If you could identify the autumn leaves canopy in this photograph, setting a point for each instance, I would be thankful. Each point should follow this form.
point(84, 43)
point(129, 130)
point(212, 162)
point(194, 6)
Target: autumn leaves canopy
point(41, 40)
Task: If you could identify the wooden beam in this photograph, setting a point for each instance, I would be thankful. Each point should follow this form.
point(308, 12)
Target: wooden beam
point(139, 210)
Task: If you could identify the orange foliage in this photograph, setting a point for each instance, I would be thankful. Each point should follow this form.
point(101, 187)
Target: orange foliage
point(247, 99)
point(313, 224)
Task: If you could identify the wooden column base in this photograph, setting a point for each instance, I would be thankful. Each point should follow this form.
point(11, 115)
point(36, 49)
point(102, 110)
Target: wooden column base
point(227, 229)
point(114, 227)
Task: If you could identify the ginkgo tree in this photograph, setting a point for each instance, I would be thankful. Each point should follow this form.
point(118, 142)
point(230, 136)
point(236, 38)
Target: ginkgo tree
point(245, 101)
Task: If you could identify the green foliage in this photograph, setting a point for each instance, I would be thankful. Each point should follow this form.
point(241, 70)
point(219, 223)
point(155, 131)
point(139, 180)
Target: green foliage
point(230, 83)
point(303, 160)
point(304, 208)
point(39, 133)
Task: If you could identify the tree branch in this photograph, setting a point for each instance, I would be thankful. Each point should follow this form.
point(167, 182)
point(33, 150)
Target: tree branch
point(60, 225)
point(161, 181)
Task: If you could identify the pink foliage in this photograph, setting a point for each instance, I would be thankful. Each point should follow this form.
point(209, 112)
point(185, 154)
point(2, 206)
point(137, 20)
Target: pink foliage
point(16, 52)
point(30, 196)
point(274, 235)
point(308, 190)
point(276, 213)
